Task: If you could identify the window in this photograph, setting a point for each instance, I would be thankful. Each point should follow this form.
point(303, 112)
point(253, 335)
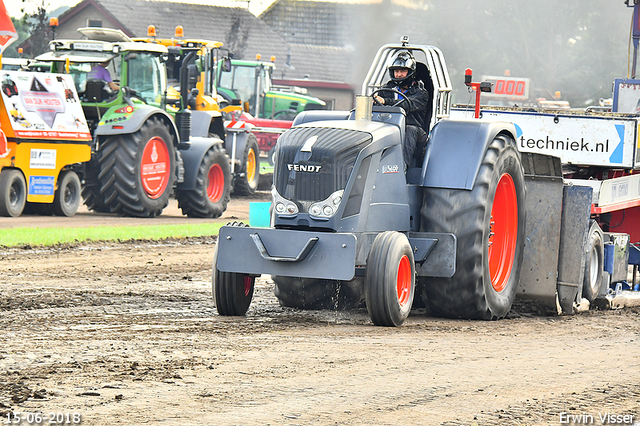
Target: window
point(94, 23)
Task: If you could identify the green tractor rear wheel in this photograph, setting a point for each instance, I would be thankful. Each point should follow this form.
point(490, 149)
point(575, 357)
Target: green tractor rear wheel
point(137, 171)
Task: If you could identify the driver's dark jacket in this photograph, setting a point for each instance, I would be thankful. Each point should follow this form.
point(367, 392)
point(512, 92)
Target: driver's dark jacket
point(415, 106)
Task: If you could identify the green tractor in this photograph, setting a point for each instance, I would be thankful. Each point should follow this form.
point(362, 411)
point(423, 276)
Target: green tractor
point(251, 82)
point(145, 148)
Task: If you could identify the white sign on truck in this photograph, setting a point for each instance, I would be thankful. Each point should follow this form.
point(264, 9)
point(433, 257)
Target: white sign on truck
point(608, 140)
point(43, 106)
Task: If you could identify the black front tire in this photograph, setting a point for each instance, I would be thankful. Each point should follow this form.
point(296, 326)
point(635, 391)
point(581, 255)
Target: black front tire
point(594, 264)
point(247, 181)
point(232, 292)
point(213, 186)
point(390, 279)
point(472, 292)
point(67, 197)
point(313, 293)
point(133, 181)
point(13, 192)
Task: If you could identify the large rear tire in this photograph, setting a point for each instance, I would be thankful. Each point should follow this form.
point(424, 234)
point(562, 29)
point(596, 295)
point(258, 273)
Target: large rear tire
point(13, 192)
point(91, 194)
point(249, 177)
point(213, 186)
point(67, 197)
point(232, 292)
point(390, 279)
point(594, 265)
point(137, 171)
point(489, 223)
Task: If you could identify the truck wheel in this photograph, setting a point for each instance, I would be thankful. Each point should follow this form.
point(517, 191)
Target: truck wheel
point(390, 279)
point(247, 183)
point(232, 292)
point(489, 223)
point(594, 265)
point(213, 186)
point(68, 194)
point(137, 170)
point(91, 195)
point(13, 193)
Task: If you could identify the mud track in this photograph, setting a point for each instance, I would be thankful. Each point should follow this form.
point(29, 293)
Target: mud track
point(127, 334)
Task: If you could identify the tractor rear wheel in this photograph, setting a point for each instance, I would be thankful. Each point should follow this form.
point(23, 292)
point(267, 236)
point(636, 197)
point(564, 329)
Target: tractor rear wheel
point(68, 194)
point(13, 192)
point(247, 181)
point(594, 265)
point(232, 292)
point(213, 186)
point(390, 279)
point(137, 170)
point(91, 195)
point(489, 223)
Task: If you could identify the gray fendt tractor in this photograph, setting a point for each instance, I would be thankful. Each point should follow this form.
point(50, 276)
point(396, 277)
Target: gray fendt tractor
point(350, 224)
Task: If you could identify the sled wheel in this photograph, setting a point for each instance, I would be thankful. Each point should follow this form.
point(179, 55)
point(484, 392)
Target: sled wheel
point(594, 264)
point(137, 170)
point(213, 186)
point(232, 292)
point(489, 223)
point(247, 181)
point(390, 279)
point(68, 194)
point(13, 193)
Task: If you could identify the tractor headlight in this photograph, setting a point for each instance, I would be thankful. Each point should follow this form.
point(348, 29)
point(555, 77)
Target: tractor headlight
point(282, 206)
point(327, 208)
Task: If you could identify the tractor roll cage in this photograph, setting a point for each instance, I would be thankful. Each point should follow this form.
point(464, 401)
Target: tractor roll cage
point(436, 69)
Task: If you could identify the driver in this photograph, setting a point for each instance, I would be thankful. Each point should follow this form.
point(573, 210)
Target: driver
point(412, 97)
point(101, 72)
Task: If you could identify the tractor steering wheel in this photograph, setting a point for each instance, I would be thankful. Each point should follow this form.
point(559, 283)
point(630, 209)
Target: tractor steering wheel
point(396, 91)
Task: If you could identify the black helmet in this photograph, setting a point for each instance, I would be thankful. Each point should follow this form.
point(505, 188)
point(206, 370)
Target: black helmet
point(403, 59)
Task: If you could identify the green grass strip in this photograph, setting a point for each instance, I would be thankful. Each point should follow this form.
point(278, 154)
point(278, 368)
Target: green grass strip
point(13, 237)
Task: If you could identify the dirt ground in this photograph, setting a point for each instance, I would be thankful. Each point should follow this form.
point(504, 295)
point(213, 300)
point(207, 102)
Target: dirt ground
point(127, 334)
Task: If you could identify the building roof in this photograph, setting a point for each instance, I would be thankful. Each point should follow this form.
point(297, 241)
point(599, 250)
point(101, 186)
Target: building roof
point(242, 33)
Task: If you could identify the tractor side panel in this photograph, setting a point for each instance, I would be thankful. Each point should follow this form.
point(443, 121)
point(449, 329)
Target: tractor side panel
point(455, 151)
point(201, 122)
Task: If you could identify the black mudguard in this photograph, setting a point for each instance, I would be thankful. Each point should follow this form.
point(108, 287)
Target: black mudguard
point(455, 151)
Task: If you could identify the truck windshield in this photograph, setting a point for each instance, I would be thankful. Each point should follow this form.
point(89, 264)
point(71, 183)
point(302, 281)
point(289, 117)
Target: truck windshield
point(146, 76)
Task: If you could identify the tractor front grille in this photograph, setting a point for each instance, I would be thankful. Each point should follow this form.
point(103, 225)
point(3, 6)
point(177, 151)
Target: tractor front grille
point(304, 176)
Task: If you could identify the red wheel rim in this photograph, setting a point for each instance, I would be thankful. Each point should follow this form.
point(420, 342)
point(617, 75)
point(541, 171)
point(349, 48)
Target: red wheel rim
point(215, 188)
point(404, 281)
point(248, 283)
point(155, 167)
point(504, 232)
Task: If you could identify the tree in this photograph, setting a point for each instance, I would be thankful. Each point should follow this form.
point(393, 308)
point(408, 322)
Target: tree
point(39, 30)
